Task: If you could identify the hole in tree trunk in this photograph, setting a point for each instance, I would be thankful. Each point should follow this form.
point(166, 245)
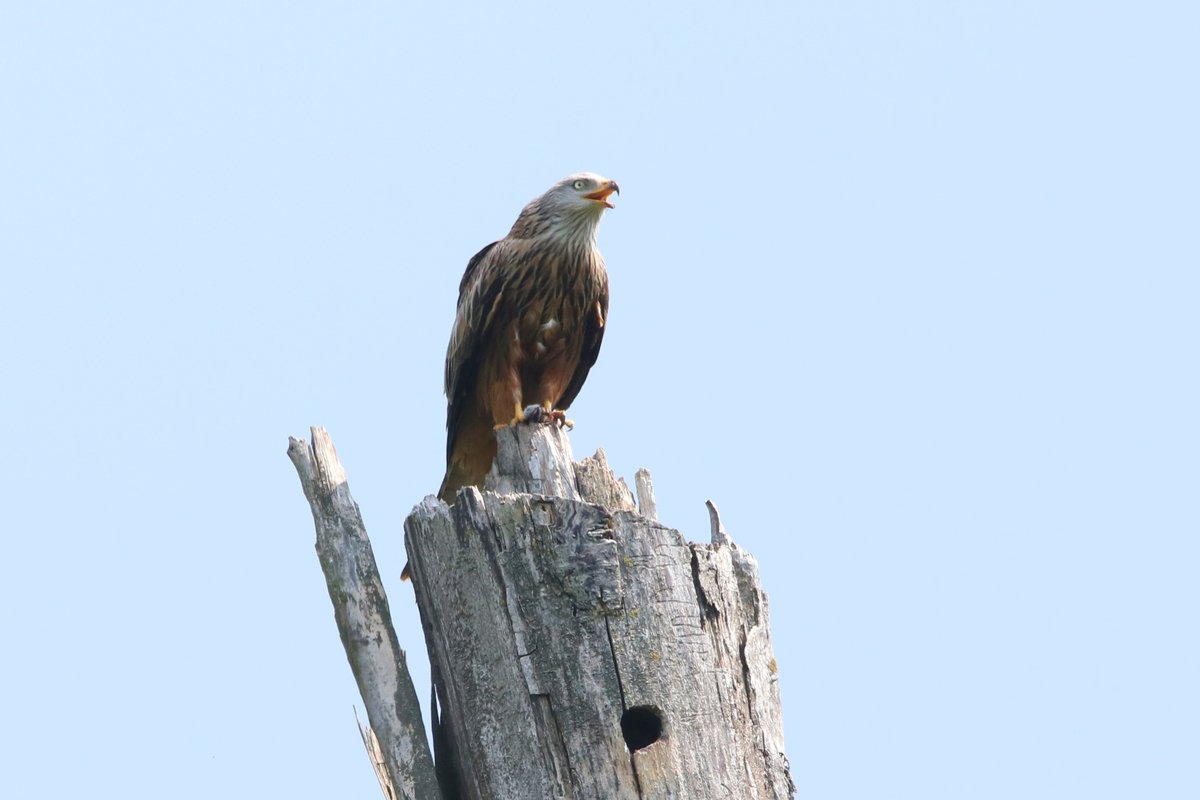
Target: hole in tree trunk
point(641, 726)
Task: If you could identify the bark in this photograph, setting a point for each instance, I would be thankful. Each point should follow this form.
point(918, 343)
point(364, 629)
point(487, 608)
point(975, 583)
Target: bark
point(396, 738)
point(583, 650)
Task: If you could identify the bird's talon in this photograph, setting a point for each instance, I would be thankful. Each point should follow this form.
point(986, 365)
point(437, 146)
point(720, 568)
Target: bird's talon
point(540, 415)
point(560, 417)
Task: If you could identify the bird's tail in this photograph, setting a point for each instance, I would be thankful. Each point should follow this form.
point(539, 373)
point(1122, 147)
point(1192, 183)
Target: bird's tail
point(471, 454)
point(455, 479)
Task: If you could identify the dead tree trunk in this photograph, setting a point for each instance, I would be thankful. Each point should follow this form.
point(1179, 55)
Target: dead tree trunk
point(579, 649)
point(582, 650)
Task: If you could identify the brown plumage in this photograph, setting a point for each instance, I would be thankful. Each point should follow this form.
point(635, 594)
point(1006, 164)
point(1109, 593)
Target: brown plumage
point(531, 314)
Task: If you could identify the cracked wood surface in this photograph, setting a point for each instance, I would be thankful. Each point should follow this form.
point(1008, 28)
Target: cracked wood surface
point(552, 606)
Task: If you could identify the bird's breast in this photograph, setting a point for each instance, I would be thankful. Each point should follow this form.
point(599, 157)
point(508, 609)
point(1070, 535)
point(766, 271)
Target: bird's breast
point(545, 328)
point(564, 288)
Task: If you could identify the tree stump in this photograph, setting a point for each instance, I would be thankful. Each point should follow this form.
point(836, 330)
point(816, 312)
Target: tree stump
point(583, 650)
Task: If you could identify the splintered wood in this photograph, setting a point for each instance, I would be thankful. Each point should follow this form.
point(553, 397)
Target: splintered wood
point(396, 743)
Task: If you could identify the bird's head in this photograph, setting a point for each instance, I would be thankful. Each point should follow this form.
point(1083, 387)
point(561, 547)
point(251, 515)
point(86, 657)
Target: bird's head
point(585, 190)
point(570, 208)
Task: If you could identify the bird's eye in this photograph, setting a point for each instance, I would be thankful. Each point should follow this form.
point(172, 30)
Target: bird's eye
point(580, 184)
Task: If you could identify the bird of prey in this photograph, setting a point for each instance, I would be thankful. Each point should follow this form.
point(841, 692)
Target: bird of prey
point(531, 313)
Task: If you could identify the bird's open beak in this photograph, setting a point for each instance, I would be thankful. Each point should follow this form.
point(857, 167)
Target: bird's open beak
point(601, 195)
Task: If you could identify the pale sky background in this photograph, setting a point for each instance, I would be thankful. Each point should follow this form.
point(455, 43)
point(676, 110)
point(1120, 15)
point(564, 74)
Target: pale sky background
point(908, 289)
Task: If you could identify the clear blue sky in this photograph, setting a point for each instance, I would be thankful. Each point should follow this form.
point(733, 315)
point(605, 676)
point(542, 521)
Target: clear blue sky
point(910, 290)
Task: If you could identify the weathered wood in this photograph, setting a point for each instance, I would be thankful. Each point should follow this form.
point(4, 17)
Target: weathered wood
point(562, 631)
point(645, 492)
point(396, 736)
point(524, 465)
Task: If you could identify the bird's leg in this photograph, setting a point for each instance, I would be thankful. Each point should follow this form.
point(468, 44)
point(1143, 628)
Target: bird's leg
point(520, 415)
